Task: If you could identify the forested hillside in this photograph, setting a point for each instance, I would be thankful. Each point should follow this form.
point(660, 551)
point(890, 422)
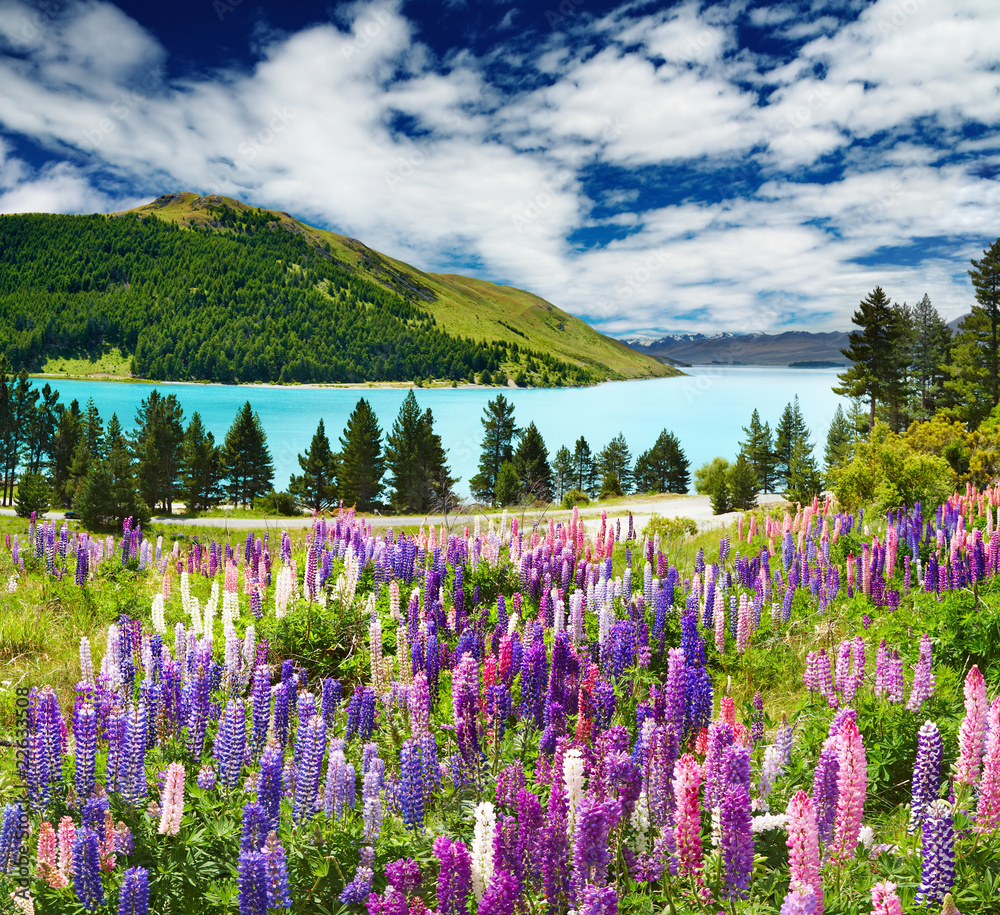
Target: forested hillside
point(241, 294)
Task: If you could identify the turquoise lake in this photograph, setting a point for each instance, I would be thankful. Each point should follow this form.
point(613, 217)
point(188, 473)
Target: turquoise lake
point(705, 409)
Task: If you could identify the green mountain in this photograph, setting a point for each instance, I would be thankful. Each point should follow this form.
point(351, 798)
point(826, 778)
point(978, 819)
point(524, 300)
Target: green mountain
point(210, 289)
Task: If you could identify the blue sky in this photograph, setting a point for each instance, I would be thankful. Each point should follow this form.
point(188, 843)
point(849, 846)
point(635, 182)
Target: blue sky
point(650, 167)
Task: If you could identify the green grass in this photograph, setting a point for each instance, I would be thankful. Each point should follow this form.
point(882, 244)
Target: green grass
point(106, 361)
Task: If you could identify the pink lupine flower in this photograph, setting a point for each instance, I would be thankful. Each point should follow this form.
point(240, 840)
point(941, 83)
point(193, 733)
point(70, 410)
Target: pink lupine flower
point(743, 625)
point(972, 733)
point(885, 900)
point(687, 780)
point(67, 833)
point(727, 710)
point(852, 784)
point(988, 810)
point(48, 870)
point(803, 846)
point(172, 800)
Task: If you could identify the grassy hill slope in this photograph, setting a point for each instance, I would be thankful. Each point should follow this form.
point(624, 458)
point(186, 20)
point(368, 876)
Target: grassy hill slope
point(460, 305)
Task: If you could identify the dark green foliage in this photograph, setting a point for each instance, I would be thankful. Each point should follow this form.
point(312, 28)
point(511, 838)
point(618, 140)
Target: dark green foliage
point(531, 461)
point(584, 476)
point(159, 449)
point(508, 486)
point(719, 494)
point(878, 352)
point(664, 467)
point(107, 493)
point(69, 431)
point(975, 370)
point(804, 479)
point(615, 460)
point(33, 495)
point(498, 446)
point(362, 465)
point(277, 503)
point(574, 497)
point(242, 300)
point(708, 476)
point(929, 354)
point(759, 449)
point(316, 486)
point(416, 460)
point(562, 472)
point(203, 467)
point(742, 483)
point(791, 428)
point(839, 439)
point(246, 458)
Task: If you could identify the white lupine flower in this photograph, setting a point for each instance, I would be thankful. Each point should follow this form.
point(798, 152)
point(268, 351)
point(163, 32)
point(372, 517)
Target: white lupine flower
point(482, 848)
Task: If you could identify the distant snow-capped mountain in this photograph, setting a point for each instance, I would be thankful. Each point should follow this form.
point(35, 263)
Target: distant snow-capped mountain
point(786, 348)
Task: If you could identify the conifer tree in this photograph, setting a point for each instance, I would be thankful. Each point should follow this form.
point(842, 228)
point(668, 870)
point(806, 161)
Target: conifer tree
point(839, 439)
point(69, 431)
point(107, 494)
point(878, 360)
point(246, 458)
point(562, 472)
point(416, 460)
point(804, 480)
point(975, 368)
point(42, 425)
point(158, 446)
point(742, 484)
point(929, 357)
point(531, 461)
point(202, 468)
point(664, 467)
point(508, 486)
point(790, 429)
point(362, 464)
point(316, 486)
point(616, 459)
point(584, 468)
point(759, 449)
point(498, 446)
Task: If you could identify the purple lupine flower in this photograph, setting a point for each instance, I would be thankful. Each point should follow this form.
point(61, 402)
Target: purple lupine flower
point(255, 826)
point(757, 722)
point(252, 883)
point(938, 874)
point(269, 783)
point(261, 709)
point(720, 737)
point(599, 901)
point(230, 744)
point(276, 868)
point(132, 780)
point(335, 790)
point(926, 785)
point(206, 778)
point(923, 677)
point(501, 895)
point(825, 790)
point(737, 840)
point(404, 875)
point(133, 898)
point(431, 765)
point(281, 702)
point(358, 889)
point(307, 773)
point(330, 700)
point(454, 885)
point(87, 869)
point(85, 734)
point(591, 853)
point(411, 795)
point(12, 835)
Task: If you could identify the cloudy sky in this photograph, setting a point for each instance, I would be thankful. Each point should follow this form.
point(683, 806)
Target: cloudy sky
point(651, 167)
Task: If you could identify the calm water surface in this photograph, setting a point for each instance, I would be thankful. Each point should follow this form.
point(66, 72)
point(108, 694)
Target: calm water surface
point(706, 411)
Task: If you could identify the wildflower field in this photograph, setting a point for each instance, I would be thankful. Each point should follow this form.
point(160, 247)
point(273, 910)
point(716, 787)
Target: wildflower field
point(799, 716)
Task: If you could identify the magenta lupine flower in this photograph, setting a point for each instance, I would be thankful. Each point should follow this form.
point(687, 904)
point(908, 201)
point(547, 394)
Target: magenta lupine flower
point(988, 809)
point(687, 781)
point(404, 875)
point(454, 884)
point(803, 847)
point(720, 737)
point(923, 677)
point(852, 784)
point(972, 733)
point(885, 899)
point(938, 874)
point(926, 785)
point(737, 841)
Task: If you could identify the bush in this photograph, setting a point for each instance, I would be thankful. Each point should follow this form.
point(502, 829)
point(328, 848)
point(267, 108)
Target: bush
point(575, 497)
point(670, 528)
point(508, 486)
point(276, 503)
point(707, 477)
point(33, 495)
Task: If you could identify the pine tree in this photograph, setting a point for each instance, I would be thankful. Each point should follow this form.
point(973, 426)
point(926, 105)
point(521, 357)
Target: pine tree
point(416, 460)
point(975, 368)
point(791, 427)
point(316, 486)
point(43, 422)
point(362, 465)
point(497, 447)
point(107, 494)
point(759, 449)
point(664, 467)
point(584, 468)
point(839, 440)
point(69, 431)
point(804, 480)
point(615, 458)
point(929, 355)
point(531, 461)
point(508, 486)
point(33, 495)
point(562, 472)
point(202, 468)
point(877, 359)
point(158, 447)
point(246, 458)
point(742, 483)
